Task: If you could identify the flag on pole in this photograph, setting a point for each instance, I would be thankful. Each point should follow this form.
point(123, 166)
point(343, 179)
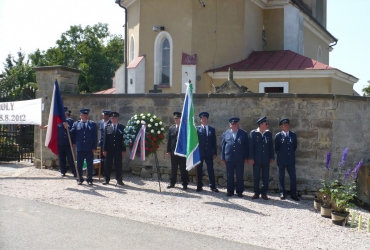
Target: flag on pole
point(187, 141)
point(56, 116)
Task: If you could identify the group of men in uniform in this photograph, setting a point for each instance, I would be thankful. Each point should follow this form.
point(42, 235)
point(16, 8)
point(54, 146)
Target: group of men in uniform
point(238, 148)
point(83, 136)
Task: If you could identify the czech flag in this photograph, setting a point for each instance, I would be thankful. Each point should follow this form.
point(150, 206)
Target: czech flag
point(56, 116)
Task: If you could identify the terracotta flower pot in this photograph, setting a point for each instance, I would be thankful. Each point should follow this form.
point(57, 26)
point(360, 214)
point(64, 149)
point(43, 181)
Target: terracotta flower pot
point(326, 211)
point(339, 218)
point(317, 204)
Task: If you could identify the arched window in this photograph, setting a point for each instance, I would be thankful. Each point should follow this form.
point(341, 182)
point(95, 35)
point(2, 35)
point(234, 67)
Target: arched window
point(163, 59)
point(319, 54)
point(132, 49)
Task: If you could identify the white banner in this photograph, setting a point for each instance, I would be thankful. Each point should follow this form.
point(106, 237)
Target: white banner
point(21, 112)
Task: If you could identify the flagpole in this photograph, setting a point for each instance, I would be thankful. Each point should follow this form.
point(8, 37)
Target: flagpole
point(73, 155)
point(41, 147)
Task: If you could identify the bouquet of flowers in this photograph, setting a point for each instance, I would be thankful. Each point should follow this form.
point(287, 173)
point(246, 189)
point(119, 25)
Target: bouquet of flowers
point(154, 133)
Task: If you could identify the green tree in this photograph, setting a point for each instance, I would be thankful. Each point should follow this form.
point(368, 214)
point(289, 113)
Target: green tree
point(367, 90)
point(17, 73)
point(92, 49)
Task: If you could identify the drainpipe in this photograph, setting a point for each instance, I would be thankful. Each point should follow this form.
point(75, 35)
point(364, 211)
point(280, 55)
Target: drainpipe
point(125, 48)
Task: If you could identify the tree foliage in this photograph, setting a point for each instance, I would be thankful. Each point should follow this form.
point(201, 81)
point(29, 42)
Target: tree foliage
point(367, 90)
point(17, 73)
point(92, 49)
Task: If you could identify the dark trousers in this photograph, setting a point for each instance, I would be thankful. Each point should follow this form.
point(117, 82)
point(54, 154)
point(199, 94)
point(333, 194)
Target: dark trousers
point(89, 156)
point(63, 152)
point(236, 167)
point(179, 161)
point(116, 157)
point(257, 169)
point(211, 173)
point(293, 179)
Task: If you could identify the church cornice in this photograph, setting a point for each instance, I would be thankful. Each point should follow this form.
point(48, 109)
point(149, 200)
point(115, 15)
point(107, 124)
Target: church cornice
point(331, 73)
point(268, 4)
point(126, 3)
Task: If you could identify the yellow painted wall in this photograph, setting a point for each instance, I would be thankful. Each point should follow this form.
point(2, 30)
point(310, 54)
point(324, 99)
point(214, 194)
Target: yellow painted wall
point(274, 27)
point(311, 46)
point(342, 88)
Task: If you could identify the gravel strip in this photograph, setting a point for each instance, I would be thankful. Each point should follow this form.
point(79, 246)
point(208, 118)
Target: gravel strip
point(274, 223)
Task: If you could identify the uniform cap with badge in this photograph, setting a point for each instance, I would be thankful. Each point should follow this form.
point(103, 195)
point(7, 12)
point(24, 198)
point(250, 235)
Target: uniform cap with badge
point(105, 112)
point(85, 111)
point(234, 120)
point(176, 114)
point(203, 114)
point(261, 120)
point(283, 121)
point(113, 114)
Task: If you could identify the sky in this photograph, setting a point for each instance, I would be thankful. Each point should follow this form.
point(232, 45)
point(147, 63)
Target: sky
point(39, 24)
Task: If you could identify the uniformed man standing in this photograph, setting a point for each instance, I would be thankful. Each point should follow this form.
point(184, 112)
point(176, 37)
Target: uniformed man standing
point(84, 133)
point(285, 147)
point(208, 151)
point(113, 148)
point(102, 124)
point(176, 161)
point(261, 154)
point(64, 148)
point(234, 152)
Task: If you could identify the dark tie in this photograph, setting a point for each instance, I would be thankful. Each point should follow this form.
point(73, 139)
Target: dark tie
point(84, 125)
point(204, 130)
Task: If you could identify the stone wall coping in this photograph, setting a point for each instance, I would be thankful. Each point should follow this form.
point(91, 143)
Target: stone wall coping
point(57, 67)
point(260, 95)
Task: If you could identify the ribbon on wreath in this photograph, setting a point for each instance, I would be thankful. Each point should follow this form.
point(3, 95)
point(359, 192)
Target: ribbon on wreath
point(140, 135)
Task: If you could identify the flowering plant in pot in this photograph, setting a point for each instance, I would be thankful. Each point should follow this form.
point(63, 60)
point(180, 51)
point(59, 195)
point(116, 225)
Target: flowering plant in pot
point(323, 195)
point(154, 132)
point(343, 191)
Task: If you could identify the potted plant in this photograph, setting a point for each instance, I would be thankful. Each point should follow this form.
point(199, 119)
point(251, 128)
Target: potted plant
point(324, 195)
point(342, 193)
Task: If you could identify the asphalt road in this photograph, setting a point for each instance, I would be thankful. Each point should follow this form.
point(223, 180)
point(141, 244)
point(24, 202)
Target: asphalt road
point(27, 224)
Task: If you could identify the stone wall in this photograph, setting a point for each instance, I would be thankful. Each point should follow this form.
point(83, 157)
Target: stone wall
point(323, 123)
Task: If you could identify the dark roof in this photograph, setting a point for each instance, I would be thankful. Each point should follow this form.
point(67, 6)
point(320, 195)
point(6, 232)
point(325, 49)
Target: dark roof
point(274, 60)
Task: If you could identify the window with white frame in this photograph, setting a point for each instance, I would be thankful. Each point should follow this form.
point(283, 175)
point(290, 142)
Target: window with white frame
point(274, 87)
point(132, 49)
point(163, 48)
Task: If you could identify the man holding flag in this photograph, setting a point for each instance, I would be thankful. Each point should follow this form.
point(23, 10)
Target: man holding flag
point(187, 141)
point(85, 137)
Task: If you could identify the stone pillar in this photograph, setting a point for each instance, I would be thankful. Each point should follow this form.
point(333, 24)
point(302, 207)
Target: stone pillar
point(45, 78)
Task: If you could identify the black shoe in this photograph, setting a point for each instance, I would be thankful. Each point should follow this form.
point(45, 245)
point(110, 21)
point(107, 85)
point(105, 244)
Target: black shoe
point(240, 195)
point(255, 196)
point(79, 183)
point(199, 189)
point(105, 182)
point(214, 190)
point(294, 198)
point(90, 183)
point(171, 186)
point(62, 175)
point(229, 194)
point(120, 182)
point(264, 197)
point(74, 175)
point(282, 197)
point(184, 187)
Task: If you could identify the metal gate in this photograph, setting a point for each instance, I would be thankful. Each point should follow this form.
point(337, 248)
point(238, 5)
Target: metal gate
point(17, 140)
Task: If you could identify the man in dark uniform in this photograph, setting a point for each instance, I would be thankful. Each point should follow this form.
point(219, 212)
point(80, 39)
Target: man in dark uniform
point(102, 124)
point(64, 148)
point(208, 151)
point(285, 147)
point(176, 161)
point(261, 154)
point(84, 133)
point(113, 148)
point(234, 152)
